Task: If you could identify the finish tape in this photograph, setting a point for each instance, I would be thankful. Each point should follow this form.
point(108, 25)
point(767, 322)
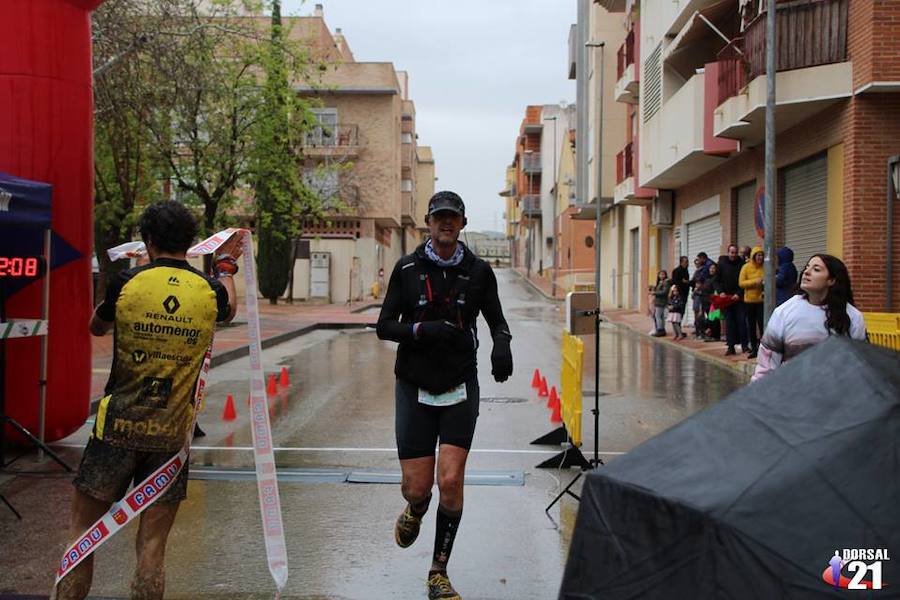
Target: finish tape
point(146, 493)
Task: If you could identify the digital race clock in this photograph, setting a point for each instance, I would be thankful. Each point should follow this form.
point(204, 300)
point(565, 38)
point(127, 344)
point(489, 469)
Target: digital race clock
point(21, 267)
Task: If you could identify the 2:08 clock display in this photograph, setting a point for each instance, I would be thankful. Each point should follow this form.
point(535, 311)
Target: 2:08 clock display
point(21, 267)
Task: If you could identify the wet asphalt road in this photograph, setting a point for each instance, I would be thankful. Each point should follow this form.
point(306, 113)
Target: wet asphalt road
point(338, 414)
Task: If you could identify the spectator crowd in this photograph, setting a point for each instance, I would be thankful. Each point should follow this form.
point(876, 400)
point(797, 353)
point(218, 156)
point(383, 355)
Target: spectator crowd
point(725, 296)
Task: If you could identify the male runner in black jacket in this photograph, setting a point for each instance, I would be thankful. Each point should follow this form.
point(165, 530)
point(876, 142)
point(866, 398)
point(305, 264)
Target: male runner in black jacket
point(433, 300)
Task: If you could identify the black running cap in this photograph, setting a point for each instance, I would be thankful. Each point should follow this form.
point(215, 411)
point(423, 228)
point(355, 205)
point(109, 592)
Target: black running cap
point(446, 201)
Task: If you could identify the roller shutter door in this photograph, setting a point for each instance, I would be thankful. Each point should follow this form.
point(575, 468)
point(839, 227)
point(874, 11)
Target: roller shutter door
point(703, 235)
point(806, 209)
point(746, 230)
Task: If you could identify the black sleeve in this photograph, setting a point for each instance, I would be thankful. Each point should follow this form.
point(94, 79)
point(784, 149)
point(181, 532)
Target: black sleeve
point(107, 308)
point(223, 309)
point(492, 311)
point(389, 326)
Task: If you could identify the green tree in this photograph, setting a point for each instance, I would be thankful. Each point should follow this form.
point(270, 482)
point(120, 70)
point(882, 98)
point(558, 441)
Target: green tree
point(280, 192)
point(124, 163)
point(195, 102)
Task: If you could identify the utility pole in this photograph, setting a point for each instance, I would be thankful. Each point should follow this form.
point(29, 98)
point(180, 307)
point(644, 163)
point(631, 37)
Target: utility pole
point(770, 195)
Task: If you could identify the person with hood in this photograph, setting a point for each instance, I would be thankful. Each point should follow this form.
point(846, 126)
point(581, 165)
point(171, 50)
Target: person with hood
point(734, 314)
point(785, 276)
point(433, 300)
point(751, 281)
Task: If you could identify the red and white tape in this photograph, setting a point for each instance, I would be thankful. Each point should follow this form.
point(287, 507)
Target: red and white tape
point(146, 493)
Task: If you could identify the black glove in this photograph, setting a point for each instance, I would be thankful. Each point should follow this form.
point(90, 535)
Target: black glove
point(501, 359)
point(443, 332)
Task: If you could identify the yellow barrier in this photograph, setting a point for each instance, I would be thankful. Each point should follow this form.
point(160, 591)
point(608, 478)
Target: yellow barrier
point(883, 329)
point(570, 401)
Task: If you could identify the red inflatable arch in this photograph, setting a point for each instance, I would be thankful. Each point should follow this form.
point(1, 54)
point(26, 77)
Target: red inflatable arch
point(46, 134)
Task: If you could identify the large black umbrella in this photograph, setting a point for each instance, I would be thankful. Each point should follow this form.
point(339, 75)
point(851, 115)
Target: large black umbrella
point(750, 498)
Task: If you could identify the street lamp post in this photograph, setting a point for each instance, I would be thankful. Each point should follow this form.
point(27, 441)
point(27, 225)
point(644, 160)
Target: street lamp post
point(596, 461)
point(593, 44)
point(554, 190)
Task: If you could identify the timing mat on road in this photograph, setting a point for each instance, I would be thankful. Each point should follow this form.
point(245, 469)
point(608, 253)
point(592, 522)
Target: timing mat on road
point(314, 475)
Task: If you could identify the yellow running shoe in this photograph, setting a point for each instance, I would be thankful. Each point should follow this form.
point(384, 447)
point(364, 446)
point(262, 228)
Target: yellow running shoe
point(439, 587)
point(406, 530)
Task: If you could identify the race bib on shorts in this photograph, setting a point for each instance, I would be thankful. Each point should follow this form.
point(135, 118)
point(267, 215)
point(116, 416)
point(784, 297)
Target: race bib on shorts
point(454, 396)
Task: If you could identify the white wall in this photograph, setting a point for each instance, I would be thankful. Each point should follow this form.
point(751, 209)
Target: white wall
point(673, 133)
point(609, 28)
point(565, 120)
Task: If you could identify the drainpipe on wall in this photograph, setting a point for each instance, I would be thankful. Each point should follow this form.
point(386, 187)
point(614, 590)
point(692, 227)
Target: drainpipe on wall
point(893, 173)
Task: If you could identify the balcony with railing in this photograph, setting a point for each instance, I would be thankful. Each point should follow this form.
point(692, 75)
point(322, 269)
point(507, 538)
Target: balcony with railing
point(339, 140)
point(627, 190)
point(624, 164)
point(612, 5)
point(531, 163)
point(531, 205)
point(627, 81)
point(408, 208)
point(809, 34)
point(813, 69)
point(407, 159)
point(672, 141)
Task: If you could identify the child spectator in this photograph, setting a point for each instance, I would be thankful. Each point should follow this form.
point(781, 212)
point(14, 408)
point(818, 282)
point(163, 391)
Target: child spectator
point(676, 311)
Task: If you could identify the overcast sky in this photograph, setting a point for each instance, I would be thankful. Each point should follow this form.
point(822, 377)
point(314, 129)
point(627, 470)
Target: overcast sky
point(474, 65)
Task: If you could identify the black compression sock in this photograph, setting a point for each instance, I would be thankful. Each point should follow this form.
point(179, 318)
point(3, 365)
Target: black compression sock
point(445, 533)
point(418, 510)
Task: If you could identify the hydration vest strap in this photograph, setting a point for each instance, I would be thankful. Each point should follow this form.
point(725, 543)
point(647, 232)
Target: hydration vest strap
point(455, 300)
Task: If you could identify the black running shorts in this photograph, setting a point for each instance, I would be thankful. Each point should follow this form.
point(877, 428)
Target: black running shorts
point(106, 472)
point(419, 426)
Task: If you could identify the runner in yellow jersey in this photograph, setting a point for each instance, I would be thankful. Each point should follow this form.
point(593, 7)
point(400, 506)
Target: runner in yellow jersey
point(163, 315)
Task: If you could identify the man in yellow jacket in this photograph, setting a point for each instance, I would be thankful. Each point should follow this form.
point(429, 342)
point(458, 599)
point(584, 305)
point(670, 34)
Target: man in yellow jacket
point(751, 281)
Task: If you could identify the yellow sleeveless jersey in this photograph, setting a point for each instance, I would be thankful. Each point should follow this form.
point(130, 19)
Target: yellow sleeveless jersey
point(165, 315)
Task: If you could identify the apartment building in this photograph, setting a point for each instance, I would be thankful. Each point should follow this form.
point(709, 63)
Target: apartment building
point(575, 236)
point(492, 246)
point(378, 176)
point(511, 212)
point(695, 94)
point(526, 250)
point(423, 189)
point(603, 132)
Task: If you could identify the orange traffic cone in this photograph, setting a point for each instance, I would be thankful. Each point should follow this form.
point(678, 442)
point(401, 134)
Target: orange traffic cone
point(272, 387)
point(284, 381)
point(536, 380)
point(554, 399)
point(229, 414)
point(555, 416)
point(542, 390)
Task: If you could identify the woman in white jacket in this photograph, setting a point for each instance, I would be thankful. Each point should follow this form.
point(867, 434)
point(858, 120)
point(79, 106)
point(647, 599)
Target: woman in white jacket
point(823, 307)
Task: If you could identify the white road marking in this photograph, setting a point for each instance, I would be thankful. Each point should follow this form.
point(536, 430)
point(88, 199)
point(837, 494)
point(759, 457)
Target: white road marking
point(319, 449)
point(310, 449)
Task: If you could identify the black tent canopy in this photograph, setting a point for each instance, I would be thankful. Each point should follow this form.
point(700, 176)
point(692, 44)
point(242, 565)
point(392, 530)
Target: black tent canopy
point(751, 497)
